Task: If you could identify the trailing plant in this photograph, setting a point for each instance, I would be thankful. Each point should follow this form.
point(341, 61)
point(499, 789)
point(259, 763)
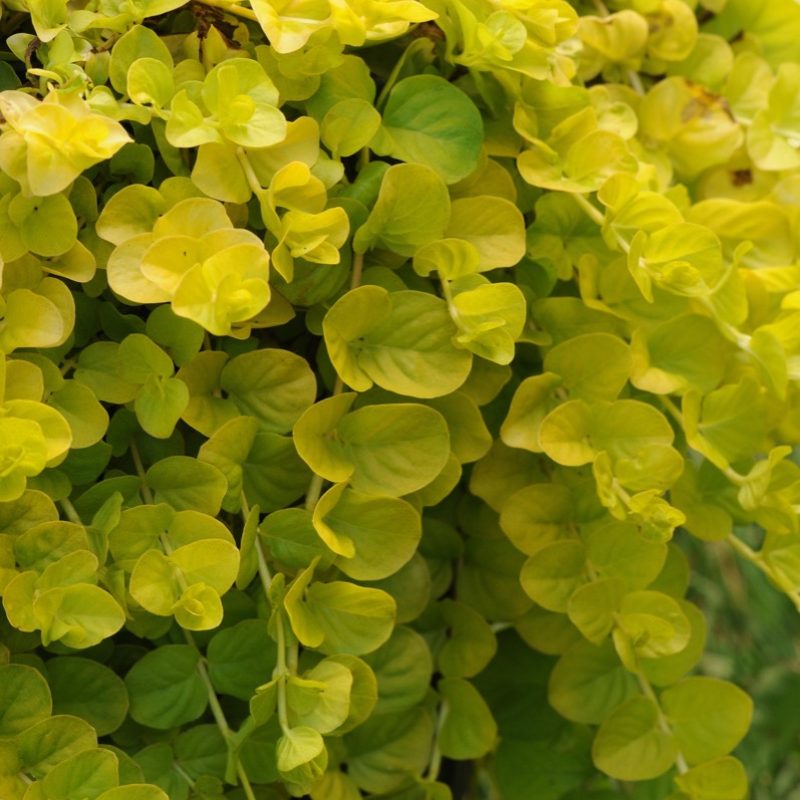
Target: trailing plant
point(364, 366)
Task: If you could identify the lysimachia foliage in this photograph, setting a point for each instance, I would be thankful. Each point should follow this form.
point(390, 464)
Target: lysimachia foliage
point(363, 364)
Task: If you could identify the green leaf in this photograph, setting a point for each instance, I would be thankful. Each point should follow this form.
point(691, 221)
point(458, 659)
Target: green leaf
point(400, 340)
point(631, 746)
point(471, 644)
point(708, 716)
point(159, 405)
point(429, 121)
point(165, 687)
point(468, 730)
point(412, 210)
point(241, 658)
point(384, 750)
point(403, 667)
point(185, 483)
point(89, 690)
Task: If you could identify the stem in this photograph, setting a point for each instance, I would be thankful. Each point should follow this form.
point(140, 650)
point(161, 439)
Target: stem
point(218, 713)
point(69, 510)
point(673, 410)
point(140, 471)
point(231, 8)
point(249, 172)
point(636, 82)
point(436, 753)
point(591, 211)
point(777, 577)
point(315, 487)
point(647, 690)
point(358, 268)
point(281, 672)
point(601, 8)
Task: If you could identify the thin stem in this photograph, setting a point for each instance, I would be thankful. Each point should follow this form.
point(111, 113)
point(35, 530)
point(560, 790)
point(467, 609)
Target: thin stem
point(249, 172)
point(436, 753)
point(69, 510)
point(636, 82)
point(280, 674)
point(647, 690)
point(601, 8)
point(590, 210)
point(183, 773)
point(777, 577)
point(140, 471)
point(245, 781)
point(358, 269)
point(315, 487)
point(672, 409)
point(231, 8)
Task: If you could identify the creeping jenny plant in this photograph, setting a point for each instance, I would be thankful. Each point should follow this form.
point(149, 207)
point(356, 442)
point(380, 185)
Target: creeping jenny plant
point(361, 362)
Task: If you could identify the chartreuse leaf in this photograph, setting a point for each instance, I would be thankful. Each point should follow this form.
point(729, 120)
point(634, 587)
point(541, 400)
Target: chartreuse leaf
point(274, 386)
point(134, 791)
point(430, 121)
point(412, 210)
point(24, 699)
point(373, 536)
point(595, 366)
point(727, 424)
point(339, 616)
point(589, 682)
point(51, 741)
point(537, 515)
point(87, 774)
point(631, 744)
point(494, 226)
point(720, 779)
point(320, 699)
point(708, 716)
point(391, 449)
point(490, 318)
point(553, 573)
point(400, 341)
point(574, 432)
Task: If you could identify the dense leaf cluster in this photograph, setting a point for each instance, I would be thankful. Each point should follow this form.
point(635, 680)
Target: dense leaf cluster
point(361, 361)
